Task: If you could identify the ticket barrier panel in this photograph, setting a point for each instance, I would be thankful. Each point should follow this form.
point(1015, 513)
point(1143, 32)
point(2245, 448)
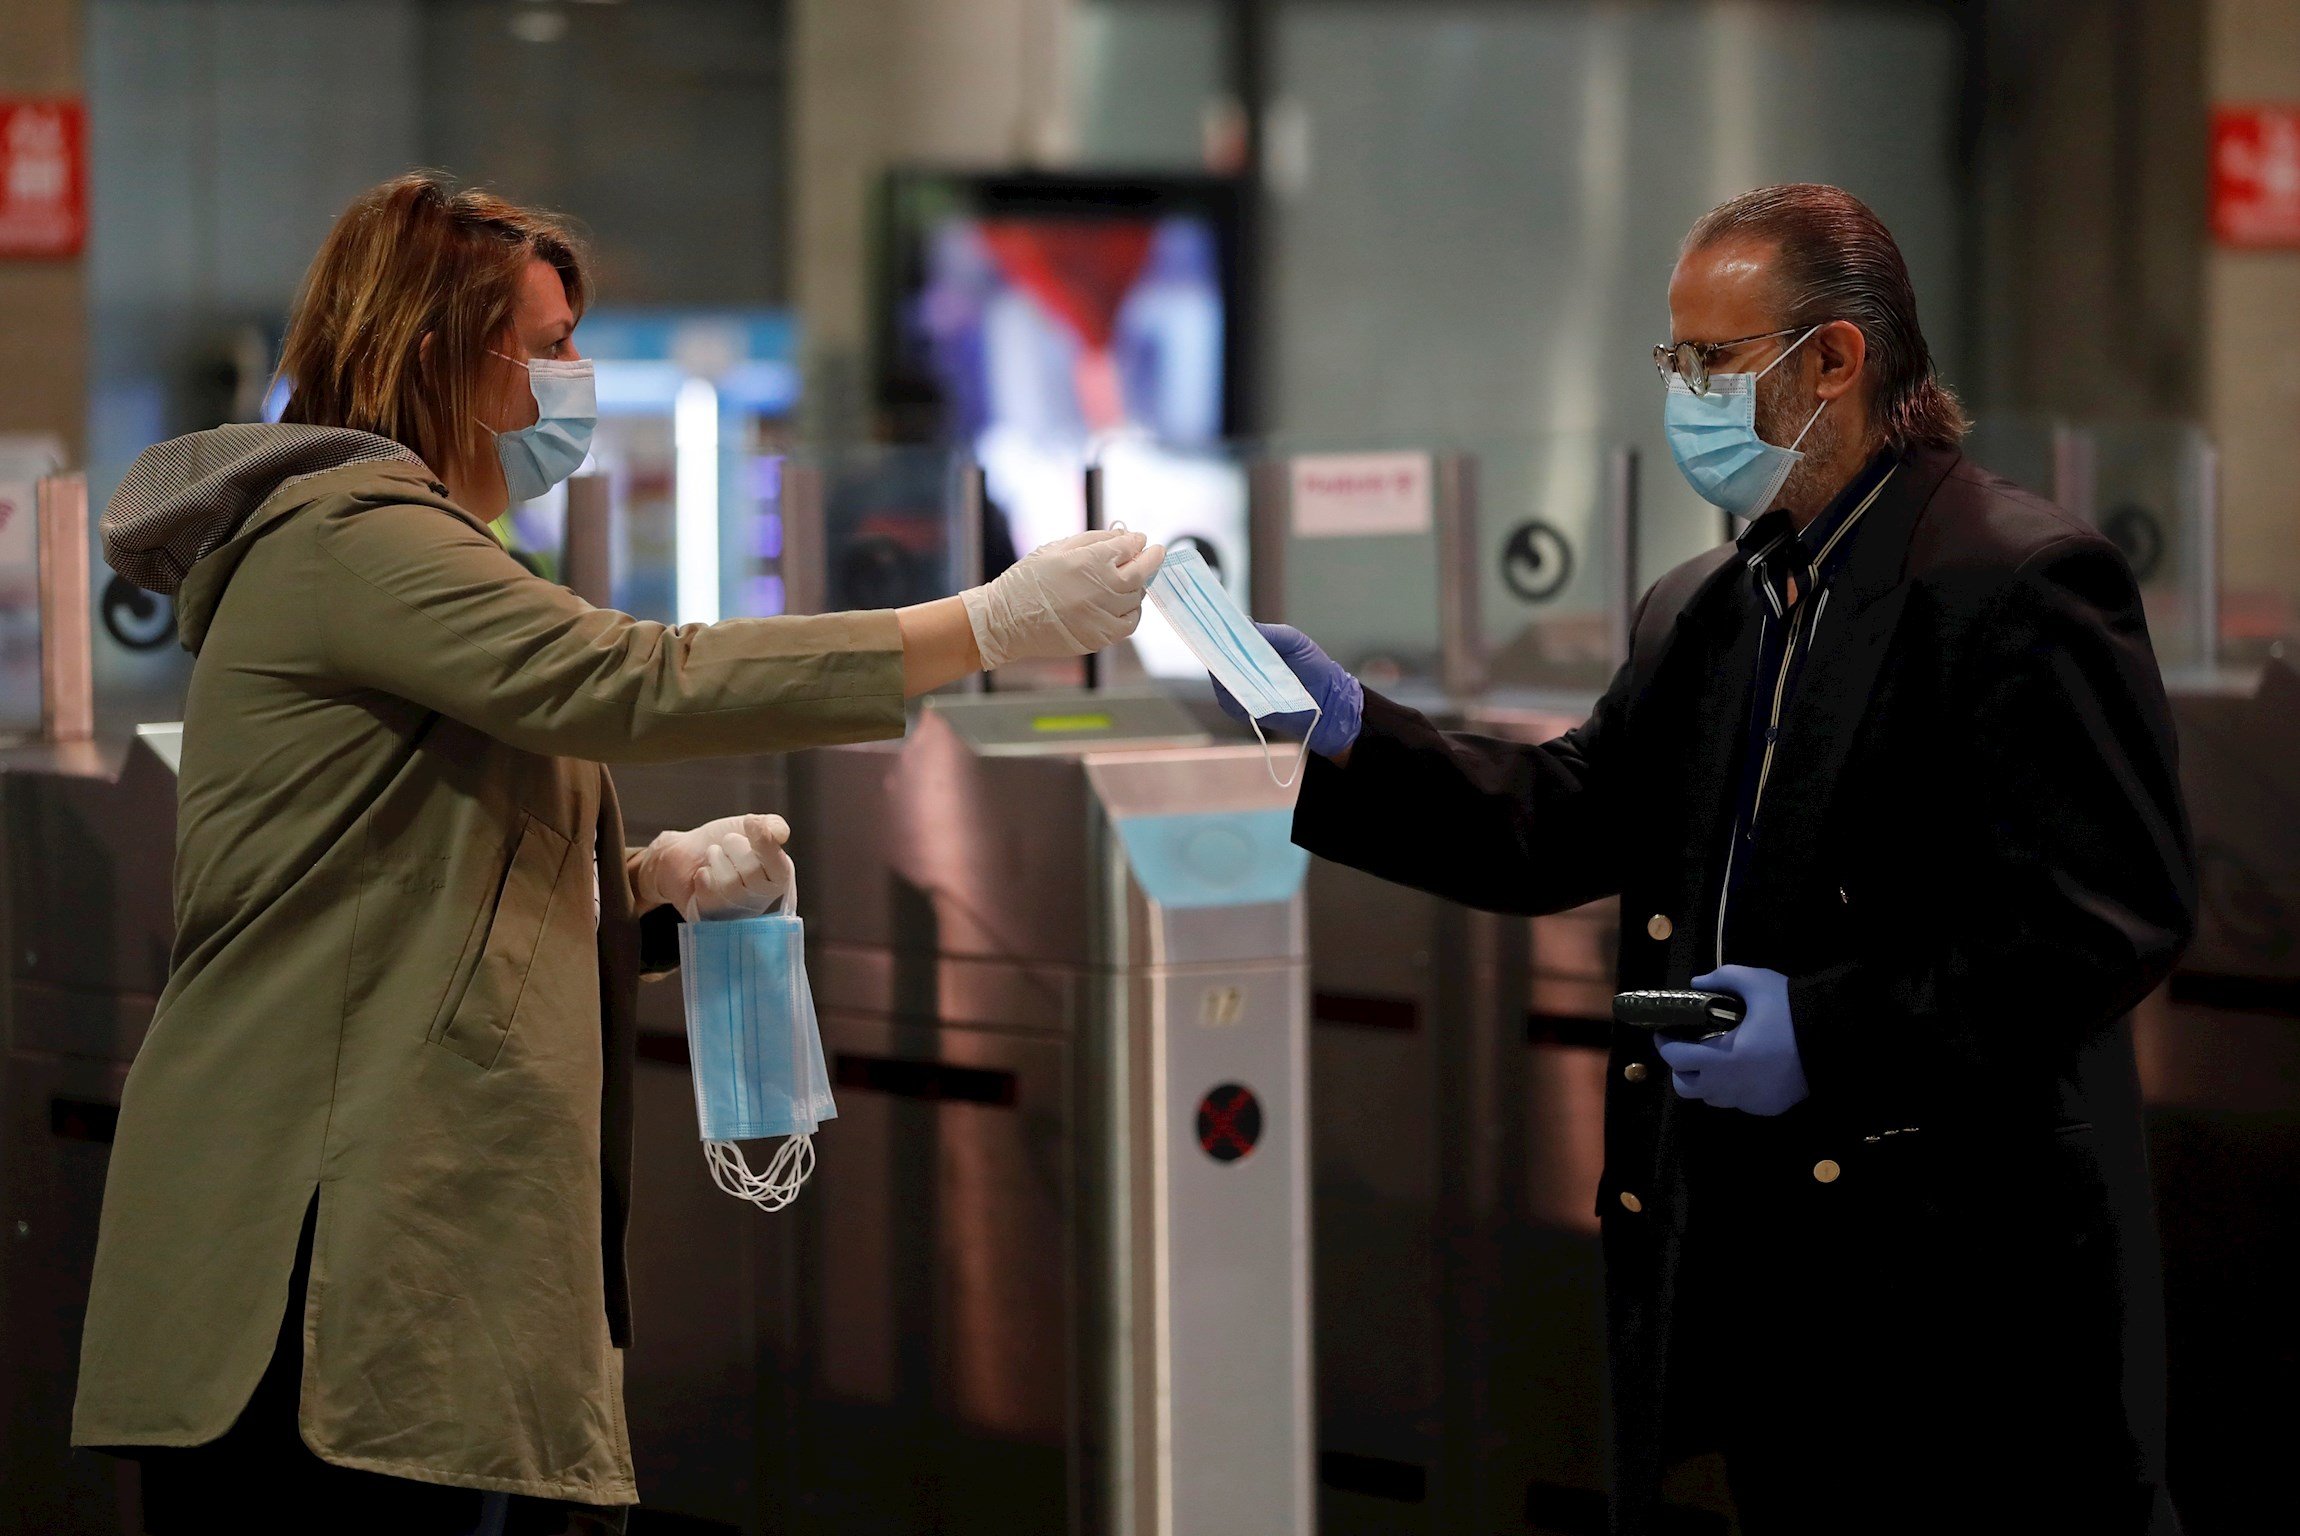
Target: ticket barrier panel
point(1459, 1326)
point(710, 1293)
point(87, 833)
point(1468, 1231)
point(86, 844)
point(1417, 1075)
point(1052, 1273)
point(87, 829)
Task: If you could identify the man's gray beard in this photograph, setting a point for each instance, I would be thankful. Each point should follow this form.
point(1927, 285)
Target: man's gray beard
point(1782, 412)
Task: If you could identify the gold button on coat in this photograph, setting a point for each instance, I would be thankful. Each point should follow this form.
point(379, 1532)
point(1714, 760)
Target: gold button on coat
point(1826, 1170)
point(1659, 926)
point(1631, 1203)
point(1635, 1071)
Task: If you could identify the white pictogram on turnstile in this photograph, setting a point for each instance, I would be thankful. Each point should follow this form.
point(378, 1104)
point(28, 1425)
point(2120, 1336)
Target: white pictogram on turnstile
point(1222, 1007)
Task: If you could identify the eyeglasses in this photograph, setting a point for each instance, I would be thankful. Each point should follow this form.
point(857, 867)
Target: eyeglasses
point(1692, 358)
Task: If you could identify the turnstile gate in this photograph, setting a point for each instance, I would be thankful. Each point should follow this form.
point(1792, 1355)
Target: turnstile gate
point(1054, 1267)
point(87, 834)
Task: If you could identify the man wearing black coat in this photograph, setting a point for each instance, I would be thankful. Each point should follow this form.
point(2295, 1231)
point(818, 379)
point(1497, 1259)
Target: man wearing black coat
point(1897, 767)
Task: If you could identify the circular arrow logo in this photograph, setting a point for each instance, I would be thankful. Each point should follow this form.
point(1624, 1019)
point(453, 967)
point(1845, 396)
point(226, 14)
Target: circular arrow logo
point(2135, 530)
point(139, 620)
point(1536, 563)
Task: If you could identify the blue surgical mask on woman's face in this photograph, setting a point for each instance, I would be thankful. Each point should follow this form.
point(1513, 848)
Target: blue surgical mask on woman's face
point(1713, 438)
point(537, 458)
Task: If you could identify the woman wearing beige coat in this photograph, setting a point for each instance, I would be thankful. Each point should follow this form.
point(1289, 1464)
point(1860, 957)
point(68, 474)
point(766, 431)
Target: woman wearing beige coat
point(390, 1074)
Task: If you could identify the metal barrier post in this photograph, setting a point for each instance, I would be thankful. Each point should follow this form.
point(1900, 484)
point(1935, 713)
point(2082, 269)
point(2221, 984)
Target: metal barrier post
point(67, 669)
point(806, 543)
point(1093, 525)
point(2206, 554)
point(2075, 473)
point(1621, 530)
point(586, 559)
point(1461, 649)
point(1269, 507)
point(973, 501)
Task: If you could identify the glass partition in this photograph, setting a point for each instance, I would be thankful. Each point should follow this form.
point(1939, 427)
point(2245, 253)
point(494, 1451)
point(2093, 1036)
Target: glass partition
point(1426, 570)
point(692, 411)
point(1359, 538)
point(1181, 497)
point(1551, 543)
point(1345, 543)
point(2023, 450)
point(2152, 488)
point(24, 463)
point(2155, 492)
point(870, 525)
point(778, 529)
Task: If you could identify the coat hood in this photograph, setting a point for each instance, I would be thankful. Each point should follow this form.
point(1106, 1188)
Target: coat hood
point(182, 499)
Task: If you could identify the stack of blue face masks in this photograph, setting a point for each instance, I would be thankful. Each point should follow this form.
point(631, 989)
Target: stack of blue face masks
point(1189, 596)
point(755, 1050)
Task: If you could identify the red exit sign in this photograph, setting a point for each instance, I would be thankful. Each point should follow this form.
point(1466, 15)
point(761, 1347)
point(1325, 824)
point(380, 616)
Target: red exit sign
point(2256, 177)
point(43, 178)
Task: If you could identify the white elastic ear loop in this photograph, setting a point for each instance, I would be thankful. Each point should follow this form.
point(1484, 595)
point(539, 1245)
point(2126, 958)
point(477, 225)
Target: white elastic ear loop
point(1816, 416)
point(1785, 351)
point(1270, 767)
point(772, 1189)
point(1777, 362)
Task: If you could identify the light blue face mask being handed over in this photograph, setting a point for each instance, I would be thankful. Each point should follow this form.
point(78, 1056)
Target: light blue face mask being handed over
point(566, 413)
point(1713, 438)
point(1192, 599)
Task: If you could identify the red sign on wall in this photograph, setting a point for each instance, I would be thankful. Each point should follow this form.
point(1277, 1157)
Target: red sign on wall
point(43, 178)
point(2256, 176)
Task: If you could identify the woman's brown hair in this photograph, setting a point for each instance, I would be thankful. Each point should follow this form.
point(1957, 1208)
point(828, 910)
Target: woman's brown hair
point(413, 260)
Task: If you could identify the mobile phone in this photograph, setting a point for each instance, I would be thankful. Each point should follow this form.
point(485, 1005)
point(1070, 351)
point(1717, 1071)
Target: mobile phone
point(1680, 1014)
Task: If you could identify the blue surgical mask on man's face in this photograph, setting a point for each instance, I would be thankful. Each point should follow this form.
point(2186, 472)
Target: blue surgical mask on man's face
point(1713, 438)
point(537, 458)
point(1209, 621)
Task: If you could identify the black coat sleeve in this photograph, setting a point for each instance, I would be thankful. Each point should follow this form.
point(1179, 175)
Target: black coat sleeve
point(2074, 889)
point(658, 941)
point(1494, 824)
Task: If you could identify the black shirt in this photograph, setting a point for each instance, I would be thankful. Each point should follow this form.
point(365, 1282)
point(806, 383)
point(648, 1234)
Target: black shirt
point(1789, 575)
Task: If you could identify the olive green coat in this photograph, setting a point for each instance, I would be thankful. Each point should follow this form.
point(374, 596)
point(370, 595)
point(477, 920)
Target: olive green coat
point(392, 989)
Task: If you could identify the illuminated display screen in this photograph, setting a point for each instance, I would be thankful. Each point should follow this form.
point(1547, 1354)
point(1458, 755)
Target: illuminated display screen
point(1041, 322)
point(1071, 722)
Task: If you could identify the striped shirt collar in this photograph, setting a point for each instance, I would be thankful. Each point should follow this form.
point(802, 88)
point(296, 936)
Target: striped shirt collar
point(1777, 554)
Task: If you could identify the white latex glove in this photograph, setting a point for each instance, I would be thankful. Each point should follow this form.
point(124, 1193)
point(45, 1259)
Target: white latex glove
point(1067, 598)
point(732, 867)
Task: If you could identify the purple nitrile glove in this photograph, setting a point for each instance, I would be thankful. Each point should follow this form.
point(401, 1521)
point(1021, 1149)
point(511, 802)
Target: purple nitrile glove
point(1752, 1067)
point(1340, 697)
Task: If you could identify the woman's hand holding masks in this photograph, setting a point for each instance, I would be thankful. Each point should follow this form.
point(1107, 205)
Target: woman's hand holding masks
point(732, 867)
point(1067, 598)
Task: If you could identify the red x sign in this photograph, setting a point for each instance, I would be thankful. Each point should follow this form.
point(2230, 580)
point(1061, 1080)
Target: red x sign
point(43, 178)
point(2256, 177)
point(1229, 1122)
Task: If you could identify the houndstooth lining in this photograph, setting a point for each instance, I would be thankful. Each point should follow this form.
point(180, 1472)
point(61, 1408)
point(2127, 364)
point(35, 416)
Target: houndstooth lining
point(183, 498)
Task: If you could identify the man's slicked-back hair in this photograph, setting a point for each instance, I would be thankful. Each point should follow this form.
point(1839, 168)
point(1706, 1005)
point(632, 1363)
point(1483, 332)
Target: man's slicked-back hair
point(1835, 260)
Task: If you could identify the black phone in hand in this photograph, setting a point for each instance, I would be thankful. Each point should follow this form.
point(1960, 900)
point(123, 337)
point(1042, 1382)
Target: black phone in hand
point(1680, 1014)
